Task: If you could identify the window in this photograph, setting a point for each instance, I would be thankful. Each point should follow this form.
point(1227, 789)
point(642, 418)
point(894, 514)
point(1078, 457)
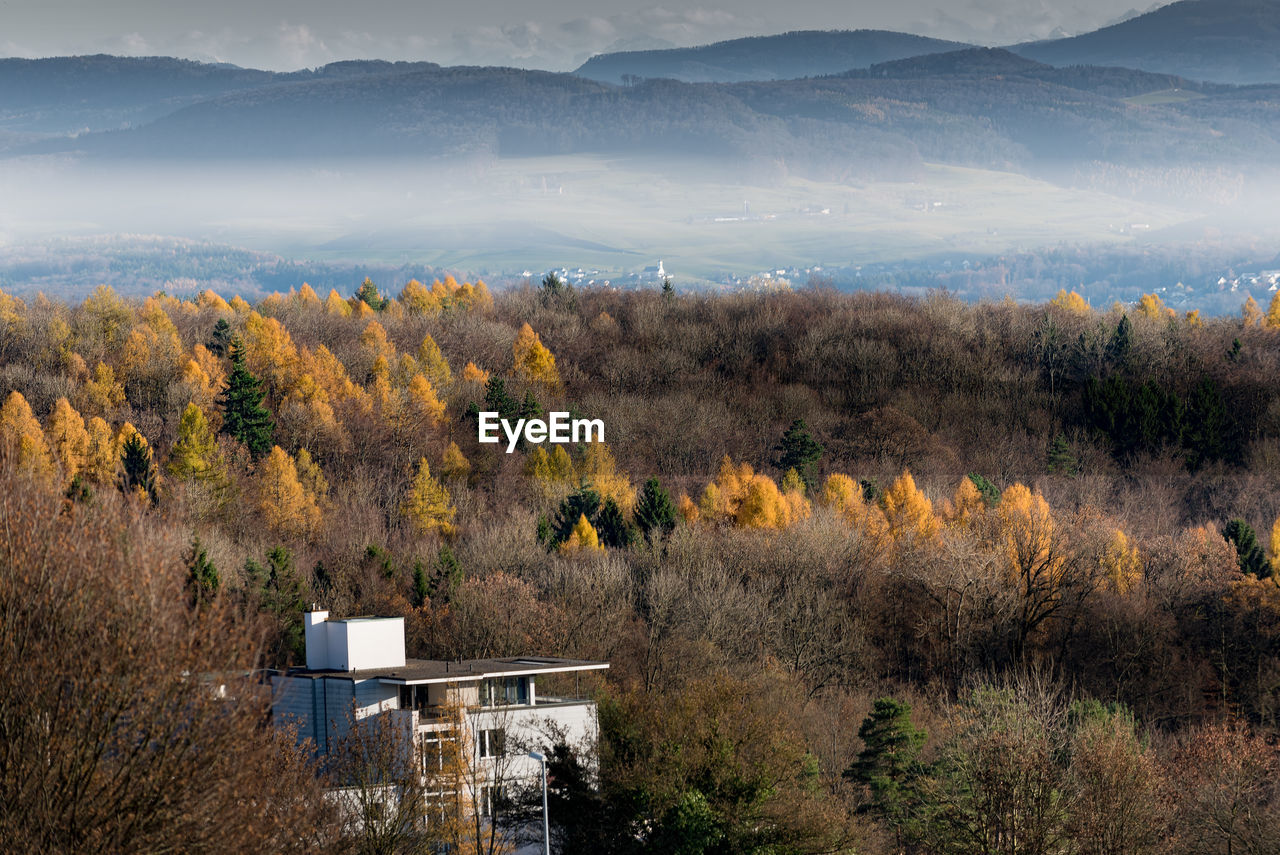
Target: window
point(504, 692)
point(491, 799)
point(491, 743)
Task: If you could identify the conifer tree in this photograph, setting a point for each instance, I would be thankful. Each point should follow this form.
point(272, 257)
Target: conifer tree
point(1121, 344)
point(585, 502)
point(434, 365)
point(889, 763)
point(220, 339)
point(368, 294)
point(137, 470)
point(582, 538)
point(421, 591)
point(1248, 551)
point(655, 513)
point(22, 437)
point(498, 400)
point(283, 596)
point(284, 505)
point(243, 416)
point(798, 450)
point(613, 528)
point(427, 504)
point(1060, 458)
point(534, 363)
point(69, 439)
point(195, 453)
point(454, 465)
point(202, 576)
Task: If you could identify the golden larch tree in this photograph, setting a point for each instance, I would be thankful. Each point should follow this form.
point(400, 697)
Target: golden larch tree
point(583, 538)
point(1250, 314)
point(22, 438)
point(195, 452)
point(284, 504)
point(454, 465)
point(534, 363)
point(908, 512)
point(433, 364)
point(427, 503)
point(68, 439)
point(102, 455)
point(1071, 301)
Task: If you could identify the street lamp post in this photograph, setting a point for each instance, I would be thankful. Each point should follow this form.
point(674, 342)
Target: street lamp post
point(546, 822)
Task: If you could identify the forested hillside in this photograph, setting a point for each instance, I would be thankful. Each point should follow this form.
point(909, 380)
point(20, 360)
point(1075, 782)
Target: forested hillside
point(893, 572)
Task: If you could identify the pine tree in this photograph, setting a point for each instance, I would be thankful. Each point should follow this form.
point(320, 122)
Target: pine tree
point(450, 574)
point(798, 450)
point(497, 400)
point(284, 597)
point(202, 576)
point(655, 514)
point(368, 294)
point(421, 591)
point(1061, 459)
point(990, 492)
point(220, 339)
point(1248, 551)
point(889, 764)
point(1121, 343)
point(613, 528)
point(137, 470)
point(243, 416)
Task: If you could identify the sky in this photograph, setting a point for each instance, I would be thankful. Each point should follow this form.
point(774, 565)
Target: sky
point(551, 34)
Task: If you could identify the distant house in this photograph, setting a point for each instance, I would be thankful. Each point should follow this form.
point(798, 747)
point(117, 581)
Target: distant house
point(357, 674)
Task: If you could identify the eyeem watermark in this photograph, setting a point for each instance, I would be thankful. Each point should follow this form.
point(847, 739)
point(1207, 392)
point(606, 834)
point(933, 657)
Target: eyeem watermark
point(557, 428)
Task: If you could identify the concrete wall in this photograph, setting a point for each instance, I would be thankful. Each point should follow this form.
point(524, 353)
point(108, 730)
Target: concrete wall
point(353, 645)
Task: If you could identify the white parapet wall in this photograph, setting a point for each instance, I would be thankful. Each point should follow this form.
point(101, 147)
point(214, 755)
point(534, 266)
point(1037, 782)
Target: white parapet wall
point(353, 644)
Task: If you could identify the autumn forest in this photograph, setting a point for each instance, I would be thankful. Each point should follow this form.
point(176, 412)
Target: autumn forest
point(874, 574)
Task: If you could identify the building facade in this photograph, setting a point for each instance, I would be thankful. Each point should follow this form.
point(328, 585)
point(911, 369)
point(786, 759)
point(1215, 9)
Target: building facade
point(485, 713)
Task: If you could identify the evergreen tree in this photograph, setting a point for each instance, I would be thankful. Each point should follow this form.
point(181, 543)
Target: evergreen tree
point(798, 450)
point(1120, 344)
point(530, 409)
point(990, 492)
point(889, 764)
point(655, 513)
point(243, 416)
point(202, 576)
point(220, 339)
point(583, 503)
point(1248, 551)
point(668, 290)
point(1236, 354)
point(138, 472)
point(421, 586)
point(1207, 425)
point(368, 294)
point(281, 594)
point(613, 528)
point(498, 400)
point(450, 574)
point(1060, 458)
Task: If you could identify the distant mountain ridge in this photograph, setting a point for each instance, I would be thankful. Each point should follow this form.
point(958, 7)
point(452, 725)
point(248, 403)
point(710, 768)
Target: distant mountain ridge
point(1224, 41)
point(803, 53)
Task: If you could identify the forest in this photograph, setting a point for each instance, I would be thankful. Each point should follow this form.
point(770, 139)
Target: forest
point(874, 573)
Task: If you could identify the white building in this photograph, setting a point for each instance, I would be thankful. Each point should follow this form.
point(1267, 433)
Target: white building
point(356, 669)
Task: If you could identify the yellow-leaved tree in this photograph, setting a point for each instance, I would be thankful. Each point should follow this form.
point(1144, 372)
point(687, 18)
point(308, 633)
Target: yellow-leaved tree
point(1272, 320)
point(194, 454)
point(908, 512)
point(427, 503)
point(22, 439)
point(533, 361)
point(472, 373)
point(600, 470)
point(1071, 301)
point(102, 394)
point(433, 364)
point(335, 305)
point(1120, 563)
point(1036, 558)
point(68, 438)
point(967, 507)
point(102, 456)
point(284, 504)
point(1250, 314)
point(454, 465)
point(1151, 306)
point(583, 538)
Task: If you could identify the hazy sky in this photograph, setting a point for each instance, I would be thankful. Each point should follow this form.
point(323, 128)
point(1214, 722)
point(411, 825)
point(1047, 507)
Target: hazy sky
point(554, 34)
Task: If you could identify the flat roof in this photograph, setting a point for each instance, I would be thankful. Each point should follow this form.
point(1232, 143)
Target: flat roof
point(422, 671)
